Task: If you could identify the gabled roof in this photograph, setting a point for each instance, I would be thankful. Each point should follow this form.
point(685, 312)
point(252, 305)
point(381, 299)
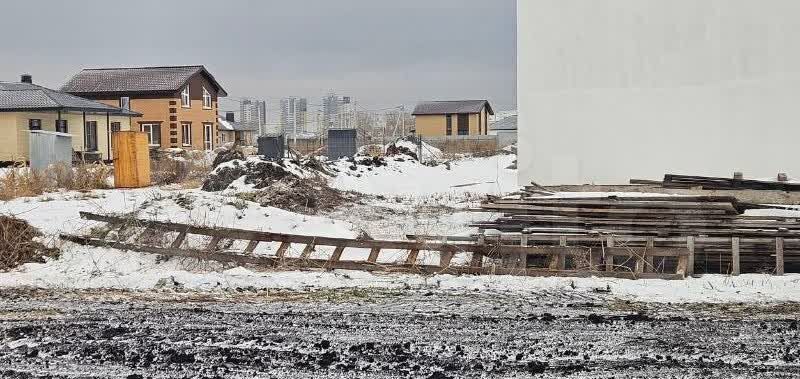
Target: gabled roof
point(234, 126)
point(16, 97)
point(136, 80)
point(447, 107)
point(507, 123)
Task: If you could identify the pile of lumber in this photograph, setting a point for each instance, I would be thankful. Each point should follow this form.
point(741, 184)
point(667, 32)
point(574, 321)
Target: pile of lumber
point(714, 223)
point(714, 183)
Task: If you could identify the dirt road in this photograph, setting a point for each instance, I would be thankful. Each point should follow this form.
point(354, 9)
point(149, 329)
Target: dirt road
point(347, 334)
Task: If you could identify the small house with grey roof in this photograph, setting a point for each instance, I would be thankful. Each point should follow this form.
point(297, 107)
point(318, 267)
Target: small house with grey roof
point(452, 118)
point(26, 107)
point(179, 104)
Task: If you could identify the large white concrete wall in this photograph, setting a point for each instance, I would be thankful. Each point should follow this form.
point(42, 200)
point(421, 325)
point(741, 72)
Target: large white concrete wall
point(610, 90)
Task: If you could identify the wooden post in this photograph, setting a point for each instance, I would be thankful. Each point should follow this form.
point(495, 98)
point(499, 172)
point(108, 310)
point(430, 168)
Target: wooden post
point(650, 262)
point(213, 244)
point(337, 254)
point(735, 269)
point(477, 260)
point(558, 261)
point(444, 258)
point(178, 240)
point(411, 259)
point(690, 258)
point(282, 249)
point(609, 258)
point(373, 255)
point(307, 251)
point(779, 256)
point(251, 246)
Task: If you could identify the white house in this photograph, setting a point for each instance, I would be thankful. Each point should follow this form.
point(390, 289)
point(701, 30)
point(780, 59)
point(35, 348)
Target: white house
point(618, 89)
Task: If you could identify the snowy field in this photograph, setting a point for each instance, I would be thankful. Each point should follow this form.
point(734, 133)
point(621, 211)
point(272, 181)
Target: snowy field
point(413, 199)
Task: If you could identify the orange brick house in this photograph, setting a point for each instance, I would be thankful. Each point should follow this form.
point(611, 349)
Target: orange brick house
point(178, 103)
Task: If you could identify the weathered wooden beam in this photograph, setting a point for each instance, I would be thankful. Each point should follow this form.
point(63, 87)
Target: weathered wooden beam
point(690, 257)
point(307, 251)
point(214, 242)
point(735, 268)
point(779, 269)
point(346, 265)
point(251, 247)
point(373, 255)
point(411, 259)
point(178, 240)
point(282, 249)
point(337, 254)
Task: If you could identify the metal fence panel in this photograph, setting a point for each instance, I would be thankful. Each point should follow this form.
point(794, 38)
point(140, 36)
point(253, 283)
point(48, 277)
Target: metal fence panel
point(47, 148)
point(271, 146)
point(341, 143)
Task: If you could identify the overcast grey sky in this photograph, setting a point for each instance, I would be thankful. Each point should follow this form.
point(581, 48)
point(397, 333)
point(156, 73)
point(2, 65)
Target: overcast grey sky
point(382, 52)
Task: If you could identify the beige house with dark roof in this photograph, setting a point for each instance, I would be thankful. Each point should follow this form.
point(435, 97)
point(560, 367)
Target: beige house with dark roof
point(26, 107)
point(452, 118)
point(179, 104)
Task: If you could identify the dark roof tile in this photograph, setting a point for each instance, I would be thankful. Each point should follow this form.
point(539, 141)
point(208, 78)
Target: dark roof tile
point(458, 106)
point(135, 79)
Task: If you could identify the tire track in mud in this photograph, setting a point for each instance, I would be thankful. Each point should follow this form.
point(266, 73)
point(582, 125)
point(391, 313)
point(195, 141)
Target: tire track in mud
point(406, 334)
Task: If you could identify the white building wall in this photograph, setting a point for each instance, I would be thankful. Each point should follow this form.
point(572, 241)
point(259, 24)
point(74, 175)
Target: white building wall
point(618, 89)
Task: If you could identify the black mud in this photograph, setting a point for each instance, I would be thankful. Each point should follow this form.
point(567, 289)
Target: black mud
point(386, 335)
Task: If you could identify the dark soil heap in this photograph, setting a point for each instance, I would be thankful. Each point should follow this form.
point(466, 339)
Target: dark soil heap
point(17, 244)
point(306, 196)
point(259, 173)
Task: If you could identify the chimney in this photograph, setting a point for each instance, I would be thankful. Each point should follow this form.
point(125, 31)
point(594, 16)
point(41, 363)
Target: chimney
point(26, 78)
point(229, 116)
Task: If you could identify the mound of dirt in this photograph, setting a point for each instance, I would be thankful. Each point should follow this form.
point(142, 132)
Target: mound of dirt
point(17, 244)
point(306, 196)
point(228, 154)
point(257, 172)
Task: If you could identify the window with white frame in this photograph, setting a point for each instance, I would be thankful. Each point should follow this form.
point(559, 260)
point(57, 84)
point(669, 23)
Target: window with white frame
point(186, 101)
point(206, 98)
point(125, 102)
point(186, 134)
point(153, 134)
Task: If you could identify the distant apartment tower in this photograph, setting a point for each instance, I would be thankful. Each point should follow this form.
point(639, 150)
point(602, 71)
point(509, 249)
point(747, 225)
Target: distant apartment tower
point(254, 114)
point(338, 112)
point(294, 111)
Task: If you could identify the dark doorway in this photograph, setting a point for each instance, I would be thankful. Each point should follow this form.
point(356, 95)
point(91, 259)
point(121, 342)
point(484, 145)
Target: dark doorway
point(90, 135)
point(463, 124)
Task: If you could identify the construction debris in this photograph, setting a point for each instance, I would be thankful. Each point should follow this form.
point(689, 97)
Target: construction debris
point(714, 183)
point(722, 238)
point(399, 256)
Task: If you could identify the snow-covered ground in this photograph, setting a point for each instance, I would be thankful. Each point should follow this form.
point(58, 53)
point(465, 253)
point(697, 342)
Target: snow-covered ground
point(413, 199)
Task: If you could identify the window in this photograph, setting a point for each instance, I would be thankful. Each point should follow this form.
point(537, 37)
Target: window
point(186, 134)
point(153, 134)
point(125, 102)
point(449, 125)
point(186, 101)
point(61, 126)
point(90, 136)
point(222, 137)
point(480, 124)
point(208, 134)
point(115, 127)
point(35, 124)
point(463, 124)
point(206, 98)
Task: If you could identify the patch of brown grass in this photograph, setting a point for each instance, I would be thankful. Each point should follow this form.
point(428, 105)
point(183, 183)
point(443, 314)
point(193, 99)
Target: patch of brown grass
point(187, 169)
point(27, 182)
point(18, 244)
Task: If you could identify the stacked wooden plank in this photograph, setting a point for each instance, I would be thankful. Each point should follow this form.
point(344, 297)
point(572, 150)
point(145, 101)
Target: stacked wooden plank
point(715, 183)
point(714, 222)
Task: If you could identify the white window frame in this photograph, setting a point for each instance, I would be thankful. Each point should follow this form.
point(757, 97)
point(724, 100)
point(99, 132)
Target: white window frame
point(207, 101)
point(208, 140)
point(186, 99)
point(148, 128)
point(125, 102)
point(186, 131)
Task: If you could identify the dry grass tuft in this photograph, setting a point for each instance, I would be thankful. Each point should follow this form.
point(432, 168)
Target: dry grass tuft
point(187, 169)
point(26, 182)
point(18, 244)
